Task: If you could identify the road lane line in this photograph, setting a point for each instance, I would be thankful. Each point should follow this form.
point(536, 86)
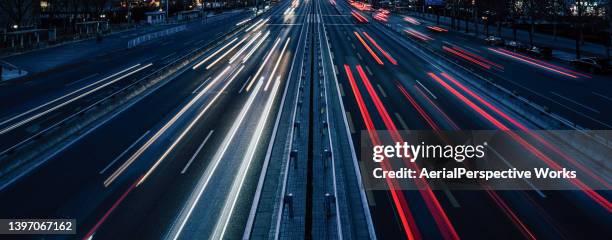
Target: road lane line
point(575, 102)
point(384, 94)
point(427, 90)
point(80, 80)
point(197, 151)
point(500, 156)
point(369, 71)
point(602, 96)
point(401, 121)
point(341, 89)
point(124, 152)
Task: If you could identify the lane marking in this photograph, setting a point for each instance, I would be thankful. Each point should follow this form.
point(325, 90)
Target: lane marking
point(602, 96)
point(384, 94)
point(369, 71)
point(426, 89)
point(197, 151)
point(80, 80)
point(124, 152)
point(575, 102)
point(350, 122)
point(401, 121)
point(341, 89)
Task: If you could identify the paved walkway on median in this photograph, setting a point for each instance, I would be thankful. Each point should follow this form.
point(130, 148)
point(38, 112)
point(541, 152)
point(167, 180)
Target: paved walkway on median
point(564, 48)
point(45, 59)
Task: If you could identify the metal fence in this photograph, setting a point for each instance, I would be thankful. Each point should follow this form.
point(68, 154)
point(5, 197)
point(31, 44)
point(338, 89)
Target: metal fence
point(150, 36)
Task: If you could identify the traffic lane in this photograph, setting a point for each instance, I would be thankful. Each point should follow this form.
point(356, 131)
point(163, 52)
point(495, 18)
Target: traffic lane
point(447, 205)
point(175, 85)
point(206, 212)
point(523, 201)
point(580, 99)
point(520, 198)
point(25, 130)
point(168, 212)
point(25, 95)
point(48, 181)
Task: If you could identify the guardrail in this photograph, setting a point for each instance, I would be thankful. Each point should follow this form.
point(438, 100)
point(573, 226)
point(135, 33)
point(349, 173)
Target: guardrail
point(150, 36)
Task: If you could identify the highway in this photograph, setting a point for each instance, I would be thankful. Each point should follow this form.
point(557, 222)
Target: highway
point(251, 126)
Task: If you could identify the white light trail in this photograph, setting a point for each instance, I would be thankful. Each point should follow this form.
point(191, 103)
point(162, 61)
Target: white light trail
point(243, 22)
point(35, 116)
point(256, 47)
point(260, 25)
point(188, 128)
point(229, 206)
point(252, 26)
point(225, 53)
point(212, 55)
point(262, 65)
point(187, 210)
point(162, 130)
point(280, 57)
point(237, 54)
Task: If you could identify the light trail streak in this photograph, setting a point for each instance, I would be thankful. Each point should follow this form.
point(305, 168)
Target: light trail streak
point(359, 17)
point(369, 49)
point(247, 45)
point(419, 109)
point(225, 216)
point(214, 54)
point(151, 140)
point(248, 55)
point(527, 130)
point(437, 29)
point(406, 218)
point(243, 22)
point(418, 35)
point(583, 187)
point(252, 26)
point(466, 57)
point(477, 57)
point(194, 198)
point(262, 65)
point(226, 53)
point(412, 20)
point(531, 62)
point(40, 114)
point(260, 25)
point(544, 63)
point(189, 127)
point(380, 48)
point(442, 221)
point(280, 57)
point(93, 230)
